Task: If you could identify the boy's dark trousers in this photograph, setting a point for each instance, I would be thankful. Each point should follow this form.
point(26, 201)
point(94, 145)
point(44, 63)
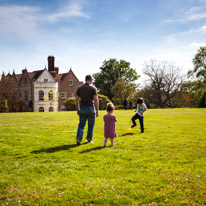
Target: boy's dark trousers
point(137, 116)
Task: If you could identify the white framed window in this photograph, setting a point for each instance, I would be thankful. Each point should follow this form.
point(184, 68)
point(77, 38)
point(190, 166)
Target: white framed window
point(45, 80)
point(51, 109)
point(70, 83)
point(63, 95)
point(41, 109)
point(71, 95)
point(51, 95)
point(41, 95)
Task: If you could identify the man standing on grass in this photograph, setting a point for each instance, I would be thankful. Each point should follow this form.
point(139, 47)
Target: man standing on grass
point(86, 99)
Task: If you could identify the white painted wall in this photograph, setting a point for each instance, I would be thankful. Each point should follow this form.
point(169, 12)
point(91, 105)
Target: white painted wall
point(39, 84)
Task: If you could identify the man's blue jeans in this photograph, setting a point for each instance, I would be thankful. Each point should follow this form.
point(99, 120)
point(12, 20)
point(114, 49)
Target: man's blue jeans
point(84, 115)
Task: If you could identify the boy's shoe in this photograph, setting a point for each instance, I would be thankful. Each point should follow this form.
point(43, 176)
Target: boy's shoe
point(91, 142)
point(142, 132)
point(104, 145)
point(134, 125)
point(78, 142)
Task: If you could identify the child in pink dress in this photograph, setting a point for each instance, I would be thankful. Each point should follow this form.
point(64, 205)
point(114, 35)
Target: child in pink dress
point(109, 125)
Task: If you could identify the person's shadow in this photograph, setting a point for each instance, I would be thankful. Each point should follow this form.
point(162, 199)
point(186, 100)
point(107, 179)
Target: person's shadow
point(54, 149)
point(92, 149)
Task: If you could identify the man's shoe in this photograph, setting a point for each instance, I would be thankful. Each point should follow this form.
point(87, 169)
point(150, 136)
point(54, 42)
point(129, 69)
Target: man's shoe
point(134, 125)
point(78, 142)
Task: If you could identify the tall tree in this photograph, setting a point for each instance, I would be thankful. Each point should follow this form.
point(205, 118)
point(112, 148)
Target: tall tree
point(111, 70)
point(7, 91)
point(122, 90)
point(199, 62)
point(164, 79)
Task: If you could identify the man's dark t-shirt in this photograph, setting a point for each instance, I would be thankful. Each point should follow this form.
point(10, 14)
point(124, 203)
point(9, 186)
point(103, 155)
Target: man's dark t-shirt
point(86, 93)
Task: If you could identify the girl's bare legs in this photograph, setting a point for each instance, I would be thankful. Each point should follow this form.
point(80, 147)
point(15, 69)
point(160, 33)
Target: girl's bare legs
point(105, 142)
point(112, 142)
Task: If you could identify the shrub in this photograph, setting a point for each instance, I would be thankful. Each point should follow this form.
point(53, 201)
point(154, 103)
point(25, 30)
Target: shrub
point(103, 100)
point(70, 104)
point(119, 107)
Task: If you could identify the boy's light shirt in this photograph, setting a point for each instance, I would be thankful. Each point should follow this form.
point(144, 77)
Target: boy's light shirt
point(140, 109)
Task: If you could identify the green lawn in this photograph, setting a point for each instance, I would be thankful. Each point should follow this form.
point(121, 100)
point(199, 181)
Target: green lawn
point(40, 163)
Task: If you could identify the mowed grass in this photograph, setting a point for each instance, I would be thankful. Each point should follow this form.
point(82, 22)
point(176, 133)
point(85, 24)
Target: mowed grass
point(40, 163)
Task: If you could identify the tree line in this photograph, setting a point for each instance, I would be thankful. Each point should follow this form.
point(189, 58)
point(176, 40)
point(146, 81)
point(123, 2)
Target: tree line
point(164, 86)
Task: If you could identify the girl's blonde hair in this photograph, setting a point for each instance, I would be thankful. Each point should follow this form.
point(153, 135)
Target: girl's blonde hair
point(110, 107)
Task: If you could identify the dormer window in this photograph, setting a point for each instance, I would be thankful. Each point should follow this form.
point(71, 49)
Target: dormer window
point(25, 80)
point(45, 80)
point(70, 83)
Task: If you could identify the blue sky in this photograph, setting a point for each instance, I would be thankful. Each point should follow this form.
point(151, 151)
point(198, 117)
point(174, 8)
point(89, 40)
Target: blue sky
point(81, 34)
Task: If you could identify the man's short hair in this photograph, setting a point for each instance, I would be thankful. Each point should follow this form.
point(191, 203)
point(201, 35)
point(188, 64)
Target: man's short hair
point(88, 77)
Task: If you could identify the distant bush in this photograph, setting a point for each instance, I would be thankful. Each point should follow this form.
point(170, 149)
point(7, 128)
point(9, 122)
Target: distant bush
point(103, 100)
point(70, 104)
point(119, 107)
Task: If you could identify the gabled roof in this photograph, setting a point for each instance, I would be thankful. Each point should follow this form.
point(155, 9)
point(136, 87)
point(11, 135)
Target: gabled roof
point(41, 72)
point(35, 74)
point(60, 77)
point(32, 75)
point(18, 76)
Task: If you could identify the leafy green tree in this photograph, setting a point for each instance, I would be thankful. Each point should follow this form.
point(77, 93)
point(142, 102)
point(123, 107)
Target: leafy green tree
point(199, 62)
point(122, 90)
point(111, 70)
point(194, 93)
point(197, 88)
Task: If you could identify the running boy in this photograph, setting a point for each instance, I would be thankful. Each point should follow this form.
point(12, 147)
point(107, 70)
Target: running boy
point(141, 108)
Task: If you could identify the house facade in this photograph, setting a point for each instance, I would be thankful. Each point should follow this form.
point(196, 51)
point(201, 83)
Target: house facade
point(42, 90)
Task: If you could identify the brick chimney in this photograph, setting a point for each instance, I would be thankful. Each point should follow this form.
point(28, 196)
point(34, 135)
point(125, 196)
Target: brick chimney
point(51, 63)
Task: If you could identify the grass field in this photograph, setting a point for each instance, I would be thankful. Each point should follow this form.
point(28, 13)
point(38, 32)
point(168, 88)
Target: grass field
point(40, 163)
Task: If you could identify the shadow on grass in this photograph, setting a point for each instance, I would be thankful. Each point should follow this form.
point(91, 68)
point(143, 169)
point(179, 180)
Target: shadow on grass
point(55, 149)
point(126, 134)
point(92, 149)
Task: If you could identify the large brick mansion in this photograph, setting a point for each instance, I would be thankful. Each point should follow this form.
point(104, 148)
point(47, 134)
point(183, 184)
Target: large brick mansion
point(43, 90)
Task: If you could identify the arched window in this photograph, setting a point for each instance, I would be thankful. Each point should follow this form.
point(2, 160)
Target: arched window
point(41, 95)
point(26, 96)
point(51, 109)
point(51, 95)
point(41, 109)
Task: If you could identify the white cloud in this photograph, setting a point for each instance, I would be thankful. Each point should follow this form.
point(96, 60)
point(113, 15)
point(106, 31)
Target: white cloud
point(174, 37)
point(203, 28)
point(192, 14)
point(27, 20)
point(195, 13)
point(197, 45)
point(18, 19)
point(74, 9)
